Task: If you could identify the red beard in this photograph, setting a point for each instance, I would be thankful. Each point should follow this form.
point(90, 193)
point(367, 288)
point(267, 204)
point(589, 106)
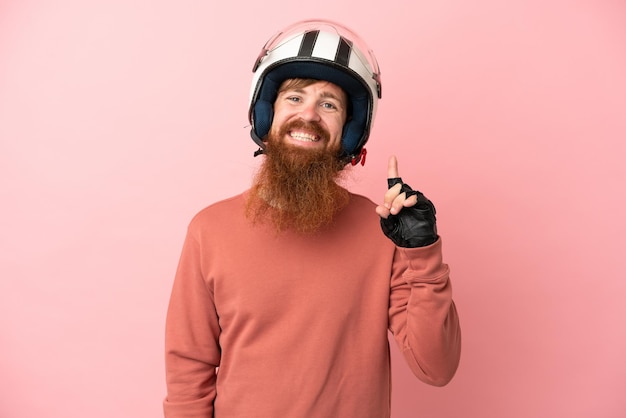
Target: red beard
point(295, 187)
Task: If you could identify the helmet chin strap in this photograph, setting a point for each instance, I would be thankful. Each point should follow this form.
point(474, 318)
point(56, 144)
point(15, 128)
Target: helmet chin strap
point(259, 142)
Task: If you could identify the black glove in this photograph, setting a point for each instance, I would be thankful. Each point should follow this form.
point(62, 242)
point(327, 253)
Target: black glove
point(414, 226)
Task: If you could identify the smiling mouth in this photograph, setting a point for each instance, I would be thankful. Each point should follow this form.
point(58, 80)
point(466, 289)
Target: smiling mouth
point(303, 136)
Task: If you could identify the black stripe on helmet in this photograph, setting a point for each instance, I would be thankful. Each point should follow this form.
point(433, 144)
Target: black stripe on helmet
point(343, 52)
point(308, 42)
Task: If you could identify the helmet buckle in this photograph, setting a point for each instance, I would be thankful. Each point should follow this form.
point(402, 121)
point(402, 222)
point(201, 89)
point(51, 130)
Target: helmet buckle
point(360, 157)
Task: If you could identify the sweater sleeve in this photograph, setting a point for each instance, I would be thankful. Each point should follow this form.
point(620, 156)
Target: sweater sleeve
point(422, 315)
point(192, 351)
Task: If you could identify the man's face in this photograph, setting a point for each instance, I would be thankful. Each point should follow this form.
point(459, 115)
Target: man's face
point(296, 187)
point(310, 117)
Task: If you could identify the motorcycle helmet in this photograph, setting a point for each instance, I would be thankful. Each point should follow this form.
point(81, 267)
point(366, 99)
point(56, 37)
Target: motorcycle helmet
point(322, 50)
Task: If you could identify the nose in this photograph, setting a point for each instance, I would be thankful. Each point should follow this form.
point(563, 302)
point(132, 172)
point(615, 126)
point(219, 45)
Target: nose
point(309, 112)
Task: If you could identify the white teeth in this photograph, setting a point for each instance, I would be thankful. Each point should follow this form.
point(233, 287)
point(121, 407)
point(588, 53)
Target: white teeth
point(301, 136)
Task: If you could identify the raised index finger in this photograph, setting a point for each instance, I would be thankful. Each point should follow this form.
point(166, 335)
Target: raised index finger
point(392, 167)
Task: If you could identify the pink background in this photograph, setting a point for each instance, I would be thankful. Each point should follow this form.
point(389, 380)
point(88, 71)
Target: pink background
point(121, 119)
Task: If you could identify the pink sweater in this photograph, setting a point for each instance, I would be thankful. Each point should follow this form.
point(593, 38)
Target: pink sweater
point(286, 326)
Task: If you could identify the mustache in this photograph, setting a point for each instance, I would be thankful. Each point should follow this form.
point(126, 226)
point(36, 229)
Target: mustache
point(312, 126)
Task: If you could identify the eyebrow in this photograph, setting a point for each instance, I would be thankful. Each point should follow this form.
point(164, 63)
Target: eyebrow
point(328, 94)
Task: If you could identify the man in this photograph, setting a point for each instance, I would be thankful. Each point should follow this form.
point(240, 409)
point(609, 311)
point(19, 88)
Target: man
point(285, 293)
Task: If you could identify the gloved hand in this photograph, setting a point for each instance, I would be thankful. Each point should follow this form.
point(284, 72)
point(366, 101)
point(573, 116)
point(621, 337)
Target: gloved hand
point(408, 221)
